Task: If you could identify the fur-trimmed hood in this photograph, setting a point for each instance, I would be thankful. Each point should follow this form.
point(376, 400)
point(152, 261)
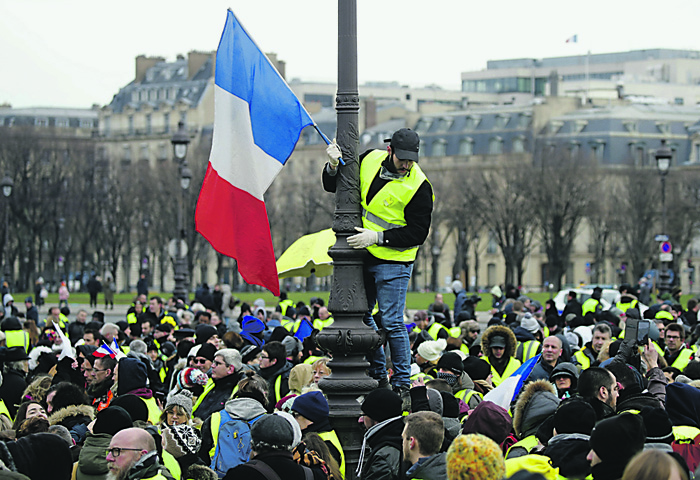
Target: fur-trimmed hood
point(506, 332)
point(537, 401)
point(72, 411)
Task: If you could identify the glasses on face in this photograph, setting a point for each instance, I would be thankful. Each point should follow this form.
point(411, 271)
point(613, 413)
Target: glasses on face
point(116, 451)
point(199, 361)
point(475, 331)
point(100, 369)
point(672, 337)
point(264, 356)
point(216, 363)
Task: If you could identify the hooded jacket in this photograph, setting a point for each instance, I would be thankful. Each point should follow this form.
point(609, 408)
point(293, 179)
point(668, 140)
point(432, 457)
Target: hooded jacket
point(536, 402)
point(239, 408)
point(429, 468)
point(568, 452)
point(385, 451)
point(683, 404)
point(507, 364)
point(92, 463)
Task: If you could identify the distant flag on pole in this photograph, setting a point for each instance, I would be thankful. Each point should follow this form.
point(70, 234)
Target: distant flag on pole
point(257, 123)
point(572, 39)
point(509, 388)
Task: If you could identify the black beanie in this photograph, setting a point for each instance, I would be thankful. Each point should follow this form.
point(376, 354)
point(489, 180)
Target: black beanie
point(207, 351)
point(657, 424)
point(204, 332)
point(183, 348)
point(619, 438)
point(451, 361)
point(111, 420)
point(135, 407)
point(382, 404)
point(476, 368)
point(450, 405)
point(575, 416)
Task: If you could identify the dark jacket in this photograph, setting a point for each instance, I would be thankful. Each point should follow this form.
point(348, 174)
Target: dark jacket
point(541, 371)
point(218, 396)
point(92, 463)
point(383, 462)
point(568, 451)
point(280, 461)
point(271, 374)
point(75, 331)
point(11, 390)
point(417, 212)
point(429, 468)
point(147, 467)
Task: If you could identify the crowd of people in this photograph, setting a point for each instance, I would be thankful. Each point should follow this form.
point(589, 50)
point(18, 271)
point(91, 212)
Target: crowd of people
point(232, 391)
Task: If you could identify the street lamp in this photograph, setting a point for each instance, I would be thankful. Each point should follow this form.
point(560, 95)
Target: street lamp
point(663, 163)
point(7, 185)
point(180, 141)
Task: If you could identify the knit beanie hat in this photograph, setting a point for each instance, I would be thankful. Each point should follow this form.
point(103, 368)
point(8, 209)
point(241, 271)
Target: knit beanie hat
point(292, 345)
point(450, 405)
point(530, 323)
point(657, 424)
point(252, 324)
point(575, 416)
point(432, 349)
point(56, 461)
point(382, 404)
point(475, 457)
point(279, 431)
point(204, 332)
point(207, 351)
point(181, 440)
point(489, 419)
point(476, 368)
point(618, 438)
point(191, 377)
point(312, 405)
point(182, 398)
point(451, 361)
point(136, 407)
point(249, 352)
point(111, 420)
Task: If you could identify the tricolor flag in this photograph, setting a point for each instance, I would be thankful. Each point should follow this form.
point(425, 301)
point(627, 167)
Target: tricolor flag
point(572, 39)
point(104, 351)
point(509, 388)
point(117, 349)
point(257, 123)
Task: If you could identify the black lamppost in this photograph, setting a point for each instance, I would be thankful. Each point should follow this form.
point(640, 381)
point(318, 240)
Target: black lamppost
point(348, 339)
point(663, 163)
point(180, 141)
point(7, 185)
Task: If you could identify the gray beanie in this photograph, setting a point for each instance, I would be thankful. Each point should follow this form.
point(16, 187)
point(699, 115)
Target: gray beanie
point(182, 398)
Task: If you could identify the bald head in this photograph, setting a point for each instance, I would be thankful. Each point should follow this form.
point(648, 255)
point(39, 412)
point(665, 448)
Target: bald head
point(133, 438)
point(551, 350)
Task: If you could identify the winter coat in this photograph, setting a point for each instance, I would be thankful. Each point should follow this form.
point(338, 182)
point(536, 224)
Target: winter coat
point(75, 418)
point(271, 374)
point(537, 401)
point(217, 397)
point(511, 341)
point(11, 390)
point(385, 451)
point(430, 468)
point(92, 463)
point(568, 452)
point(148, 467)
point(683, 404)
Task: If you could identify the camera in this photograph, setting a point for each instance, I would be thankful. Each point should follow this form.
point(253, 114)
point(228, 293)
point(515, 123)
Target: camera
point(637, 331)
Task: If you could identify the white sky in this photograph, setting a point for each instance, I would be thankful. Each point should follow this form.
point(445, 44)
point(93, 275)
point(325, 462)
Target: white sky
point(73, 53)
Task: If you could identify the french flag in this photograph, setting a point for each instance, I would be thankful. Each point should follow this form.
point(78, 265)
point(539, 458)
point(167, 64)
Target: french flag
point(257, 123)
point(572, 39)
point(104, 351)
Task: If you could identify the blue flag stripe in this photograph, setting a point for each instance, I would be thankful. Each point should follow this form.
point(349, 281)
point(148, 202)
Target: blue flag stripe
point(277, 117)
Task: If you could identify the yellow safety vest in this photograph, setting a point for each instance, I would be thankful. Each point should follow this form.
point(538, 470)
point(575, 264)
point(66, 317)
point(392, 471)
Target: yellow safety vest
point(528, 443)
point(664, 315)
point(589, 305)
point(435, 328)
point(17, 338)
point(683, 359)
point(5, 411)
point(422, 375)
point(529, 350)
point(131, 317)
point(582, 359)
point(172, 465)
point(333, 438)
point(513, 365)
point(455, 331)
point(284, 305)
point(386, 210)
point(312, 359)
point(153, 410)
point(466, 395)
point(321, 324)
point(208, 388)
point(626, 306)
point(685, 433)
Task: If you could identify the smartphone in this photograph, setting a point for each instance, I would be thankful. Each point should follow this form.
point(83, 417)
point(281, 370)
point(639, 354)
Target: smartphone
point(643, 332)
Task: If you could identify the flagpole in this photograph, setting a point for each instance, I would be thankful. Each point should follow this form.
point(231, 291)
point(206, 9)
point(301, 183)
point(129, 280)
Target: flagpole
point(348, 339)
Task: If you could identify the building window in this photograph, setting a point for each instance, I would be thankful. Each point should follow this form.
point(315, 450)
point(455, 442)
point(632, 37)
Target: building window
point(492, 246)
point(423, 125)
point(491, 274)
point(598, 151)
point(678, 100)
point(86, 123)
point(496, 146)
point(126, 155)
point(166, 123)
point(62, 123)
point(519, 145)
point(466, 146)
point(149, 125)
point(108, 125)
point(183, 117)
point(524, 120)
point(637, 153)
point(631, 127)
point(664, 128)
point(574, 149)
point(41, 122)
point(144, 152)
point(501, 121)
point(439, 148)
point(162, 152)
point(443, 124)
point(131, 124)
point(471, 122)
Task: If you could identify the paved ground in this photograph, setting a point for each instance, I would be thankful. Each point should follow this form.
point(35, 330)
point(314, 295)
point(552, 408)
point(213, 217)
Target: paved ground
point(111, 316)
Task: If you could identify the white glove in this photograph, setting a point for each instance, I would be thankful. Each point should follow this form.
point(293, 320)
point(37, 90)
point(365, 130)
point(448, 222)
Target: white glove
point(334, 154)
point(364, 239)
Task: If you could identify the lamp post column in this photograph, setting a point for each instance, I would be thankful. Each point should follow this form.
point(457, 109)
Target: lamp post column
point(348, 339)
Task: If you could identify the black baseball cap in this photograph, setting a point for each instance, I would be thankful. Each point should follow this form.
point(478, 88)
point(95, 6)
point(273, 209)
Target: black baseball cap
point(404, 144)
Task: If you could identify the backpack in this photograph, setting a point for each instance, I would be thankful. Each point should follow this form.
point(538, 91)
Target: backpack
point(234, 443)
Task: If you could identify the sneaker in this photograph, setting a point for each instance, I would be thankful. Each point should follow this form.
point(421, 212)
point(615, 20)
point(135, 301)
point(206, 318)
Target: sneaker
point(383, 382)
point(405, 395)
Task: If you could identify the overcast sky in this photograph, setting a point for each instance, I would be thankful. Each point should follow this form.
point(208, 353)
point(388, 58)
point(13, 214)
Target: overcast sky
point(73, 53)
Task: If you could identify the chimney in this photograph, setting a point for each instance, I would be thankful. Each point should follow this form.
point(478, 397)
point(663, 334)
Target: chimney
point(280, 65)
point(195, 60)
point(143, 63)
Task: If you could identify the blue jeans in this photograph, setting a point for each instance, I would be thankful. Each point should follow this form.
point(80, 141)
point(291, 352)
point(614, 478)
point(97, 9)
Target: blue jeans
point(386, 284)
